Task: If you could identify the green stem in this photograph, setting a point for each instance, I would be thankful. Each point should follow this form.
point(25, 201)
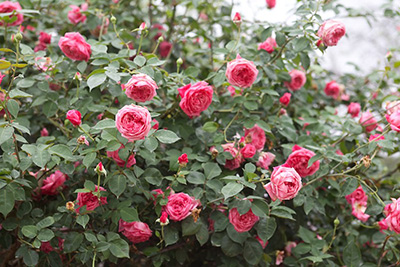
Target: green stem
point(83, 130)
point(98, 186)
point(94, 260)
point(140, 43)
point(5, 34)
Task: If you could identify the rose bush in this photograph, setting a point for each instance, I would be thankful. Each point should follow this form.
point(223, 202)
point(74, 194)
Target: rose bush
point(155, 133)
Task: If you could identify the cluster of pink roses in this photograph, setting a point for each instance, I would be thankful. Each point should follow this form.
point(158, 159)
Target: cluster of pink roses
point(392, 213)
point(358, 201)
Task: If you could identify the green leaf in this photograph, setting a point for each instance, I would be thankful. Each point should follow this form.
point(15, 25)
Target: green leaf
point(45, 235)
point(260, 207)
point(119, 248)
point(5, 134)
point(210, 126)
point(72, 241)
point(211, 170)
point(6, 201)
point(30, 231)
point(16, 93)
point(231, 189)
point(82, 220)
point(41, 157)
point(253, 251)
point(171, 235)
point(280, 38)
point(202, 235)
point(352, 255)
point(139, 60)
point(153, 176)
point(46, 222)
point(4, 64)
point(235, 235)
point(102, 246)
point(31, 257)
point(166, 136)
point(62, 151)
point(88, 159)
point(13, 107)
point(349, 186)
point(196, 177)
point(96, 80)
point(117, 184)
point(230, 248)
point(105, 124)
point(129, 214)
point(266, 228)
point(301, 44)
point(189, 227)
point(151, 143)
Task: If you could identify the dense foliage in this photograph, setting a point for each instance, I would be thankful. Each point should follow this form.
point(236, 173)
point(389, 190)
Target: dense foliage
point(176, 132)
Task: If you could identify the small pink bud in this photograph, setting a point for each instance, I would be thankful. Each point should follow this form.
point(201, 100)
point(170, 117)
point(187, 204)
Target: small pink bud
point(100, 169)
point(183, 160)
point(78, 76)
point(44, 132)
point(82, 140)
point(237, 19)
point(163, 220)
point(142, 26)
point(74, 116)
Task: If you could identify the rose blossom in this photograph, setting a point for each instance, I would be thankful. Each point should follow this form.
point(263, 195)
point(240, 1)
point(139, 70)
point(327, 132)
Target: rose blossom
point(75, 47)
point(136, 232)
point(141, 88)
point(332, 89)
point(90, 199)
point(232, 90)
point(75, 16)
point(46, 247)
point(40, 47)
point(180, 205)
point(8, 7)
point(45, 38)
point(265, 159)
point(298, 160)
point(285, 99)
point(241, 72)
point(358, 200)
point(195, 98)
point(394, 120)
point(248, 151)
point(331, 31)
point(165, 48)
point(133, 122)
point(368, 121)
point(271, 3)
point(354, 109)
point(237, 19)
point(285, 183)
point(392, 107)
point(255, 136)
point(74, 116)
point(268, 45)
point(183, 159)
point(392, 213)
point(44, 132)
point(298, 79)
point(115, 156)
point(242, 223)
point(376, 137)
point(237, 159)
point(52, 183)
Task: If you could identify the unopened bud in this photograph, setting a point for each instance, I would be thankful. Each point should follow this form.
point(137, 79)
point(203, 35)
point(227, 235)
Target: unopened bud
point(100, 169)
point(78, 76)
point(163, 220)
point(142, 26)
point(113, 20)
point(160, 39)
point(82, 140)
point(336, 222)
point(18, 37)
point(389, 55)
point(179, 61)
point(237, 19)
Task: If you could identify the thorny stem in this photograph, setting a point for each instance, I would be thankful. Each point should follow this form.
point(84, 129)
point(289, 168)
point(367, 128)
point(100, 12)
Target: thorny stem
point(383, 250)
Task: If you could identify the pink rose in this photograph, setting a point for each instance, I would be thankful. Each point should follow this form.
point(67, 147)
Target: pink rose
point(289, 246)
point(358, 195)
point(8, 7)
point(195, 98)
point(52, 183)
point(237, 19)
point(183, 159)
point(241, 72)
point(90, 200)
point(136, 232)
point(133, 122)
point(255, 136)
point(75, 47)
point(394, 120)
point(332, 89)
point(46, 247)
point(268, 45)
point(165, 48)
point(180, 206)
point(358, 210)
point(43, 64)
point(45, 38)
point(232, 90)
point(115, 156)
point(298, 79)
point(248, 151)
point(262, 243)
point(234, 163)
point(392, 107)
point(299, 161)
point(392, 220)
point(141, 88)
point(265, 159)
point(44, 132)
point(285, 183)
point(242, 223)
point(285, 99)
point(40, 47)
point(156, 124)
point(271, 3)
point(368, 121)
point(74, 116)
point(354, 109)
point(331, 31)
point(75, 16)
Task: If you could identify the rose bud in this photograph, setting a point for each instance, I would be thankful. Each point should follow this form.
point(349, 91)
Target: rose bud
point(74, 116)
point(82, 140)
point(237, 19)
point(100, 169)
point(163, 220)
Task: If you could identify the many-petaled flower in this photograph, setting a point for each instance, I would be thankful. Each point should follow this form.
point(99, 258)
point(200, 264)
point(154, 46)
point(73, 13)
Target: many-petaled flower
point(75, 47)
point(75, 15)
point(115, 156)
point(354, 109)
point(265, 159)
point(140, 88)
point(268, 45)
point(136, 232)
point(298, 160)
point(9, 7)
point(196, 98)
point(285, 183)
point(180, 206)
point(358, 201)
point(242, 223)
point(133, 122)
point(394, 120)
point(241, 72)
point(255, 136)
point(298, 79)
point(333, 89)
point(90, 199)
point(183, 160)
point(53, 183)
point(237, 157)
point(285, 99)
point(331, 31)
point(368, 121)
point(248, 151)
point(74, 116)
